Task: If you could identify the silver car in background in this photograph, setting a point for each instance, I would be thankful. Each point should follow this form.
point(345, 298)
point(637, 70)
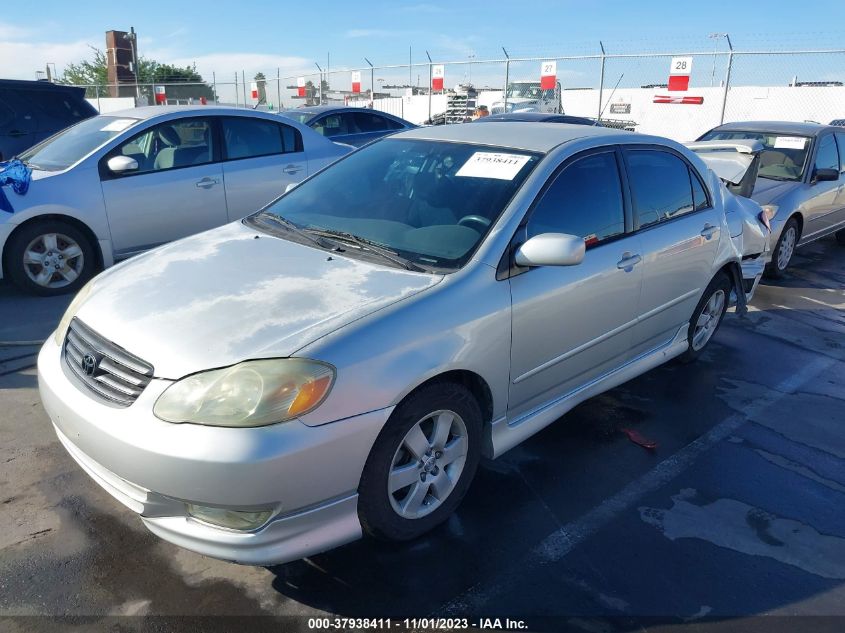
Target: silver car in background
point(119, 184)
point(339, 362)
point(800, 181)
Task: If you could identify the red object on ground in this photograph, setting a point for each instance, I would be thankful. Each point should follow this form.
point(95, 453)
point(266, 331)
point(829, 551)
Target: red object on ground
point(639, 440)
point(682, 100)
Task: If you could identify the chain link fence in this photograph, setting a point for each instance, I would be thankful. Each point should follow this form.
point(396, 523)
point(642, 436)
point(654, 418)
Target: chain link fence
point(626, 90)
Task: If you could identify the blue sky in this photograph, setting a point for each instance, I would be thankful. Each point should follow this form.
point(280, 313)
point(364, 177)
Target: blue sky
point(226, 37)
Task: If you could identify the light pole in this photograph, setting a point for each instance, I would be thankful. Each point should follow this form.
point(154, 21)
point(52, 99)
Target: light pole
point(320, 82)
point(716, 37)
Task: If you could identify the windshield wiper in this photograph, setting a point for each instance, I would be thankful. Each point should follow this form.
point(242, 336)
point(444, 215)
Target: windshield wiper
point(277, 219)
point(368, 245)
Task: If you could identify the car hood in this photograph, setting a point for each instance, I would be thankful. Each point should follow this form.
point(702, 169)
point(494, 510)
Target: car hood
point(234, 293)
point(767, 191)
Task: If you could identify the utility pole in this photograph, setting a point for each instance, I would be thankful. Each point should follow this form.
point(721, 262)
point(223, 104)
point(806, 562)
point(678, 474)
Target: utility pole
point(410, 71)
point(372, 84)
point(507, 76)
point(320, 82)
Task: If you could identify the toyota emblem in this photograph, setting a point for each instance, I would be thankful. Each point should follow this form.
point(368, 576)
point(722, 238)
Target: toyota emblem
point(89, 364)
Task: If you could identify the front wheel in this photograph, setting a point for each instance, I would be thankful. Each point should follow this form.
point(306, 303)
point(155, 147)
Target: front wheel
point(50, 258)
point(784, 249)
point(421, 464)
point(707, 317)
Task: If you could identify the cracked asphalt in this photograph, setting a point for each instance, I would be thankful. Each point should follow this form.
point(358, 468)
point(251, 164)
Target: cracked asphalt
point(739, 511)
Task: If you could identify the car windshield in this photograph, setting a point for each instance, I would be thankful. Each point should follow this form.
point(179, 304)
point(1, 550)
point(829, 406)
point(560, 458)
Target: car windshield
point(71, 145)
point(529, 90)
point(784, 156)
point(430, 202)
point(299, 116)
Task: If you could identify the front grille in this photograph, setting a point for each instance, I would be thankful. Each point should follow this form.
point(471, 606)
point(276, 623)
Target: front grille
point(108, 370)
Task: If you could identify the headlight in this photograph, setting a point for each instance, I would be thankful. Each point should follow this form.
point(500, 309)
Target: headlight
point(252, 393)
point(771, 210)
point(59, 334)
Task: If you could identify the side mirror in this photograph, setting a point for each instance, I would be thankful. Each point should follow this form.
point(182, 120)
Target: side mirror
point(551, 249)
point(290, 186)
point(825, 174)
point(122, 164)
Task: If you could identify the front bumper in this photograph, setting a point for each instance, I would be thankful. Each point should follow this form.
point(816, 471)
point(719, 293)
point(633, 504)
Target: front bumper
point(308, 475)
point(6, 228)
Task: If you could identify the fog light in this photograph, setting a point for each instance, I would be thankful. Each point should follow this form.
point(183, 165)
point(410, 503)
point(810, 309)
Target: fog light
point(231, 519)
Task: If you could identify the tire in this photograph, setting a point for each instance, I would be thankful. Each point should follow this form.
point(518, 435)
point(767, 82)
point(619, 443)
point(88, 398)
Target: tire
point(784, 249)
point(58, 243)
point(840, 237)
point(713, 304)
point(413, 507)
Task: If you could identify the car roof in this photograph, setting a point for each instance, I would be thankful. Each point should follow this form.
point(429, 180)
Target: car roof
point(533, 137)
point(315, 110)
point(148, 112)
point(537, 116)
point(784, 127)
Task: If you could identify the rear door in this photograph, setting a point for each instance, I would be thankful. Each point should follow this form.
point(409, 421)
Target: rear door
point(261, 158)
point(571, 324)
point(176, 191)
point(680, 229)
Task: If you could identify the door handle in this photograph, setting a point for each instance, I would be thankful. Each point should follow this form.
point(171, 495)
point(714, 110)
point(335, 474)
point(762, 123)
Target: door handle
point(292, 169)
point(207, 183)
point(628, 262)
point(17, 133)
point(708, 231)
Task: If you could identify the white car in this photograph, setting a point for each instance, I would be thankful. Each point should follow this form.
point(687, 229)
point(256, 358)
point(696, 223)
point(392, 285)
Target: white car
point(118, 184)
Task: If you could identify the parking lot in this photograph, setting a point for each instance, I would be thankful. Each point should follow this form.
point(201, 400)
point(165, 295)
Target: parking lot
point(737, 511)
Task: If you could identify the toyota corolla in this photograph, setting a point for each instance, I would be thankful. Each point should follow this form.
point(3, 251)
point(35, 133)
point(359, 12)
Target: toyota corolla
point(337, 363)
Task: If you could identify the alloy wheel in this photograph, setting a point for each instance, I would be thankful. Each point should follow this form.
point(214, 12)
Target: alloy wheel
point(787, 247)
point(53, 260)
point(708, 320)
point(427, 464)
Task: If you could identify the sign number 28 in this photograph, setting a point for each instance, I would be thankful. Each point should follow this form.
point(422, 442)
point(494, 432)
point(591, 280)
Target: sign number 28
point(680, 66)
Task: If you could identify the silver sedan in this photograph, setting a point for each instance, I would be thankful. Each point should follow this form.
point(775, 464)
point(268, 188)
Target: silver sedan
point(118, 184)
point(338, 363)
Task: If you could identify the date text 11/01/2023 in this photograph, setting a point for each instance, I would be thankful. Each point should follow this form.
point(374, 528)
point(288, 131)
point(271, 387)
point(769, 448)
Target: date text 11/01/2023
point(435, 624)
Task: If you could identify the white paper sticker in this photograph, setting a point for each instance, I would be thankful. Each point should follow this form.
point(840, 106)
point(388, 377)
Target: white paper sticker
point(118, 125)
point(493, 165)
point(790, 142)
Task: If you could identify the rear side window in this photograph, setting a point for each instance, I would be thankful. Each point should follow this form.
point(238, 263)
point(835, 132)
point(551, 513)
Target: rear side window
point(369, 122)
point(660, 186)
point(699, 196)
point(827, 157)
point(585, 199)
point(250, 138)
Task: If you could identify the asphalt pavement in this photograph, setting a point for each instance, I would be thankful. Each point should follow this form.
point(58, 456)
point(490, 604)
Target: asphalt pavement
point(737, 511)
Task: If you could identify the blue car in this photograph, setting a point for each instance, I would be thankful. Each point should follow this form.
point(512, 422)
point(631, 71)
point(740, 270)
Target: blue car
point(352, 126)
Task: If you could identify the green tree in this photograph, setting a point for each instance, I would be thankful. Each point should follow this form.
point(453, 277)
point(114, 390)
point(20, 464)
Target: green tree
point(181, 83)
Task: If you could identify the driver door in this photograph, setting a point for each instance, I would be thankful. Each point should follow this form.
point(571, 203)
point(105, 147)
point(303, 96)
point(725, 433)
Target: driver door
point(572, 324)
point(176, 191)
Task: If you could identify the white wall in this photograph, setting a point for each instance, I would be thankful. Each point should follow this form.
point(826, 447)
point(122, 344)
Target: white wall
point(677, 121)
point(105, 105)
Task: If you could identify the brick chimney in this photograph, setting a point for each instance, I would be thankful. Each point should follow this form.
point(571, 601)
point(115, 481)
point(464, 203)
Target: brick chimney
point(120, 69)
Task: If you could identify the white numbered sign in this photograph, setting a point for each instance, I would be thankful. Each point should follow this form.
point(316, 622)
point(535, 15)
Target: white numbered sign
point(681, 66)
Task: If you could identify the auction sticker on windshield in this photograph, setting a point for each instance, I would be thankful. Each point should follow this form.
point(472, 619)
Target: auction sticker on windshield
point(118, 125)
point(497, 165)
point(790, 142)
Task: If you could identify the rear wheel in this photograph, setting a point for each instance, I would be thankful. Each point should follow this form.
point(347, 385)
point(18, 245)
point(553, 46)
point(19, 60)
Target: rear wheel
point(50, 258)
point(784, 249)
point(707, 316)
point(422, 463)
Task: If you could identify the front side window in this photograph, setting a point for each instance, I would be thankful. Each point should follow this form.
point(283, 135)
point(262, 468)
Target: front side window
point(840, 141)
point(369, 122)
point(827, 157)
point(432, 202)
point(783, 156)
point(335, 125)
point(660, 186)
point(75, 143)
point(171, 145)
point(250, 138)
point(584, 200)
